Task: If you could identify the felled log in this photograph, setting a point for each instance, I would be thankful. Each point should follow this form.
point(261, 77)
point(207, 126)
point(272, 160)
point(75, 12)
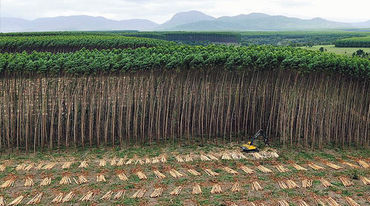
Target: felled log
point(210, 172)
point(196, 189)
point(163, 158)
point(139, 193)
point(282, 185)
point(28, 182)
point(2, 168)
point(212, 157)
point(113, 162)
point(226, 156)
point(351, 202)
point(298, 167)
point(102, 163)
point(281, 168)
point(333, 166)
point(49, 166)
point(66, 165)
point(346, 181)
point(230, 171)
point(8, 183)
point(100, 178)
point(204, 158)
point(256, 186)
point(120, 194)
point(315, 166)
point(179, 158)
point(87, 197)
point(283, 203)
point(236, 187)
point(66, 180)
point(28, 167)
point(159, 175)
point(2, 202)
point(107, 195)
point(141, 175)
point(188, 158)
point(332, 202)
point(350, 164)
point(122, 176)
point(306, 183)
point(58, 198)
point(216, 189)
point(302, 203)
point(157, 192)
point(246, 169)
point(363, 164)
point(120, 162)
point(194, 172)
point(83, 164)
point(81, 179)
point(36, 199)
point(20, 167)
point(17, 200)
point(291, 184)
point(365, 180)
point(264, 169)
point(325, 183)
point(176, 191)
point(174, 173)
point(45, 181)
point(68, 197)
point(257, 156)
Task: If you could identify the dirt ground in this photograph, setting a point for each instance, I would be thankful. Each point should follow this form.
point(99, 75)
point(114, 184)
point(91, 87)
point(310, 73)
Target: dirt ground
point(19, 166)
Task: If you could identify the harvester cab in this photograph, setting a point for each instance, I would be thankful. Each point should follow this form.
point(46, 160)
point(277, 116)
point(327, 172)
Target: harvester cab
point(249, 147)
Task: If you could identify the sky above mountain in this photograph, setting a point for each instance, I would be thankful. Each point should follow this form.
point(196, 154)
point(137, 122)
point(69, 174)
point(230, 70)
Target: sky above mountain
point(161, 10)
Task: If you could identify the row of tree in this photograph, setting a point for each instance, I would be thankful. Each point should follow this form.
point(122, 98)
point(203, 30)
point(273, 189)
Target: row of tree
point(70, 43)
point(191, 37)
point(313, 110)
point(354, 42)
point(183, 57)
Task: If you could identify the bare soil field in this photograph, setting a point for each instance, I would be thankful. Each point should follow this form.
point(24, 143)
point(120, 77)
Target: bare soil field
point(173, 175)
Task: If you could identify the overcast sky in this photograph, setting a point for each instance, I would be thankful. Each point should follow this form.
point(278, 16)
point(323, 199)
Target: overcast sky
point(162, 10)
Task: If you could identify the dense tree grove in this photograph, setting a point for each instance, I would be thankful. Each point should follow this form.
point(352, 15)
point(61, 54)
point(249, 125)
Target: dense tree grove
point(191, 37)
point(69, 43)
point(292, 38)
point(64, 90)
point(183, 57)
point(298, 38)
point(354, 42)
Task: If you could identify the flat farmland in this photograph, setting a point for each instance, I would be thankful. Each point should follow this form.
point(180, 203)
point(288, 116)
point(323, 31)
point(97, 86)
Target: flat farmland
point(189, 175)
point(348, 51)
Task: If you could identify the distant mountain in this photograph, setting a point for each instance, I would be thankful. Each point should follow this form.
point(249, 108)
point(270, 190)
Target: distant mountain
point(365, 24)
point(12, 24)
point(186, 18)
point(260, 22)
point(74, 23)
point(184, 21)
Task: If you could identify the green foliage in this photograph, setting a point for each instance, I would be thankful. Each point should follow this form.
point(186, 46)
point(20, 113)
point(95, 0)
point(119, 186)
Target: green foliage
point(361, 53)
point(69, 43)
point(191, 37)
point(354, 42)
point(296, 38)
point(174, 57)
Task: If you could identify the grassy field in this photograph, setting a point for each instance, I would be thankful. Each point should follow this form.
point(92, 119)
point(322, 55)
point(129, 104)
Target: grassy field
point(337, 50)
point(224, 176)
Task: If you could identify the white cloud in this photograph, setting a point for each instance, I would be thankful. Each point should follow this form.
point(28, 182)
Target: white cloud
point(162, 10)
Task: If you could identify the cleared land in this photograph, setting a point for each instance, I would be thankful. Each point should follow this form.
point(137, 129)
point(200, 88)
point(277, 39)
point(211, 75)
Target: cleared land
point(210, 175)
point(348, 51)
